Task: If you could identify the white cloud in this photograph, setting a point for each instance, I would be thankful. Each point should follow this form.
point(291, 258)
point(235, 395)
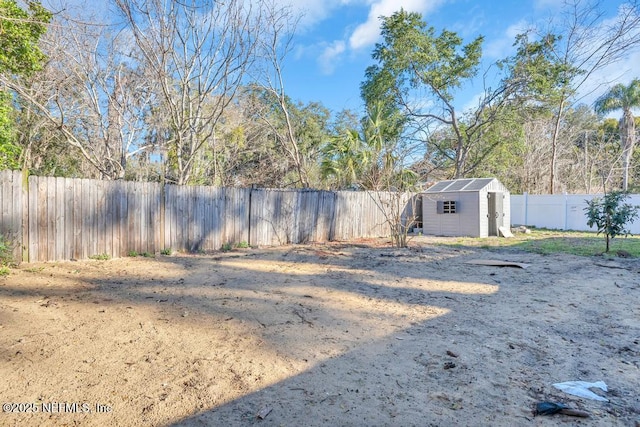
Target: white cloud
point(314, 11)
point(502, 47)
point(368, 33)
point(365, 34)
point(329, 58)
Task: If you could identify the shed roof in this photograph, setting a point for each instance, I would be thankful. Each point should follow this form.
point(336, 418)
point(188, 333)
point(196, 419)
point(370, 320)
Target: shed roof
point(465, 184)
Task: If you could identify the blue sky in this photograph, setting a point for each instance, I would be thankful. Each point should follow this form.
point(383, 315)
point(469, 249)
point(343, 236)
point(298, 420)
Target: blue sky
point(336, 37)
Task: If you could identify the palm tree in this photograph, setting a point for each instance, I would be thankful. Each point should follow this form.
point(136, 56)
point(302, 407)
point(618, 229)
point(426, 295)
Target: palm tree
point(625, 98)
point(345, 158)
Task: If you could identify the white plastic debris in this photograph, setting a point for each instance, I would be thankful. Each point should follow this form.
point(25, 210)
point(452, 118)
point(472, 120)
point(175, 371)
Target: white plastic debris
point(581, 389)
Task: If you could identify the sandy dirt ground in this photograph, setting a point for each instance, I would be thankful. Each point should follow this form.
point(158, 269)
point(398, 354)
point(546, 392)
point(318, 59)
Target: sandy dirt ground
point(327, 334)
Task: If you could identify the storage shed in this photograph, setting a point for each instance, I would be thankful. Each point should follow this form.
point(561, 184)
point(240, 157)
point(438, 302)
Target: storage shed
point(474, 207)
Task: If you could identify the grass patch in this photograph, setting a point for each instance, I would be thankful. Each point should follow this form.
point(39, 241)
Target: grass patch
point(100, 257)
point(552, 242)
point(166, 251)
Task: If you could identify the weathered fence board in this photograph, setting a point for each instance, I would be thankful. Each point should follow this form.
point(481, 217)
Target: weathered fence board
point(49, 219)
point(11, 211)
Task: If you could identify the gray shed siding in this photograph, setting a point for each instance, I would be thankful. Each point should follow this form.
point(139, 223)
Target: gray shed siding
point(471, 217)
point(465, 220)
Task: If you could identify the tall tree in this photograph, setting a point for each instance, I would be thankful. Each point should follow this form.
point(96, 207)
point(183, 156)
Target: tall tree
point(421, 73)
point(555, 63)
point(93, 93)
point(197, 53)
point(279, 26)
point(625, 98)
point(368, 158)
point(20, 56)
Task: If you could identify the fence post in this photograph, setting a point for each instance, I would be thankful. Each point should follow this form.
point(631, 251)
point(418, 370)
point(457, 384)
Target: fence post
point(525, 206)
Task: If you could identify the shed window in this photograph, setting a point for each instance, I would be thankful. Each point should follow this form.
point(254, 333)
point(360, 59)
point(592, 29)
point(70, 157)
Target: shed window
point(447, 206)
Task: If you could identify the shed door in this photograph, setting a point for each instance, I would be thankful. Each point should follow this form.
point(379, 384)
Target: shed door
point(496, 213)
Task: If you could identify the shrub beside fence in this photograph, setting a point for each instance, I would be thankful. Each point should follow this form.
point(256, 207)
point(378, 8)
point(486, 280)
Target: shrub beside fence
point(48, 219)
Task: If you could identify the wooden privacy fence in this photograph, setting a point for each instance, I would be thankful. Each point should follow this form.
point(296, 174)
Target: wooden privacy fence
point(48, 219)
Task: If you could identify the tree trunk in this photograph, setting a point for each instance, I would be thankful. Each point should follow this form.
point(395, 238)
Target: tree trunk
point(627, 140)
point(554, 148)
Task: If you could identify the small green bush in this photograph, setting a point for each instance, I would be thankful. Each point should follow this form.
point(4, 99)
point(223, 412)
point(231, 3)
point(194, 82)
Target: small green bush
point(148, 255)
point(133, 254)
point(166, 251)
point(242, 245)
point(6, 253)
point(227, 247)
point(101, 257)
point(610, 215)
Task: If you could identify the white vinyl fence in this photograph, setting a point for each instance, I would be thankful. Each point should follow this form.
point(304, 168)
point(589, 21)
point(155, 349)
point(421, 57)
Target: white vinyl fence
point(558, 211)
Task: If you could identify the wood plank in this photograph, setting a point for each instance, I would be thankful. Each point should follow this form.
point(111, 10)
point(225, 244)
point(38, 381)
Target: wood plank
point(67, 200)
point(209, 224)
point(18, 215)
point(6, 206)
point(101, 247)
point(147, 232)
point(140, 204)
point(178, 210)
point(95, 227)
point(33, 218)
point(51, 219)
point(155, 219)
point(24, 220)
point(142, 208)
point(204, 223)
point(243, 215)
point(217, 216)
point(85, 234)
point(160, 230)
point(170, 217)
point(188, 224)
point(254, 216)
point(114, 207)
point(135, 213)
point(497, 263)
point(5, 202)
point(180, 218)
point(166, 214)
point(109, 214)
point(60, 231)
point(8, 213)
point(123, 201)
point(77, 219)
point(159, 226)
point(196, 225)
